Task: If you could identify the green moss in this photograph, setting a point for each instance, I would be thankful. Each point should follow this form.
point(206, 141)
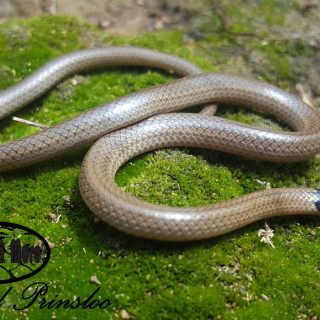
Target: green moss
point(174, 170)
point(234, 276)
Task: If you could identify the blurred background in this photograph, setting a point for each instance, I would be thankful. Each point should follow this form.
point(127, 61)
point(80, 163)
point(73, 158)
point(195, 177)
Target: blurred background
point(129, 17)
point(117, 16)
point(229, 31)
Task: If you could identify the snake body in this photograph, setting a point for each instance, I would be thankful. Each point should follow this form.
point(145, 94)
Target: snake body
point(143, 121)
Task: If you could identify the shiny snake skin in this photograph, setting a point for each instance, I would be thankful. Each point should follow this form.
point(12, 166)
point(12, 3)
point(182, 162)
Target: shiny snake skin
point(143, 121)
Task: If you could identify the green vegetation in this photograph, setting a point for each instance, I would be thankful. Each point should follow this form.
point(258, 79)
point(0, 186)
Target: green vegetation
point(230, 277)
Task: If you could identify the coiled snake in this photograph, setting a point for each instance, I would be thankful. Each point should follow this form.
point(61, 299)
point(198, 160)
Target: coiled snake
point(143, 121)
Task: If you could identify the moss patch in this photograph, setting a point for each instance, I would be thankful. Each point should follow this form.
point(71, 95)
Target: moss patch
point(234, 276)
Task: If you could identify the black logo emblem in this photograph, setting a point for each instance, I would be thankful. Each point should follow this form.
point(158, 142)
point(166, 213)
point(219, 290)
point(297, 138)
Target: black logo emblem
point(23, 252)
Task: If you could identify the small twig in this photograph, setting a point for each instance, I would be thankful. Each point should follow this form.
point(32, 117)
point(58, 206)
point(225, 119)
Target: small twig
point(30, 123)
point(305, 95)
point(266, 235)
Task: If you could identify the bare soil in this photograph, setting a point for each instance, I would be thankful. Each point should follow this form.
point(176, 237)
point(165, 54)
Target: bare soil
point(118, 17)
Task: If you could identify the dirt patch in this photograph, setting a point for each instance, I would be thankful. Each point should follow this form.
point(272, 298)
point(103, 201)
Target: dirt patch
point(119, 17)
point(131, 17)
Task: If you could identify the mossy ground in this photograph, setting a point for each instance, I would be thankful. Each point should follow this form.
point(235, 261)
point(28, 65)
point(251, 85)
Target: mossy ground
point(230, 277)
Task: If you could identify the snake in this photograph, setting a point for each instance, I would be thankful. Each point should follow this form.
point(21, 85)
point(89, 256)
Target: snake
point(148, 120)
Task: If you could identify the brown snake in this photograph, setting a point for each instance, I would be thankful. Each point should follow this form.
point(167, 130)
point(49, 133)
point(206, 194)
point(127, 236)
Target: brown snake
point(140, 122)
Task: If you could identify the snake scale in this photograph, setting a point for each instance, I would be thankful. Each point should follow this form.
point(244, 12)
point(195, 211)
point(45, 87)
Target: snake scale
point(144, 121)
